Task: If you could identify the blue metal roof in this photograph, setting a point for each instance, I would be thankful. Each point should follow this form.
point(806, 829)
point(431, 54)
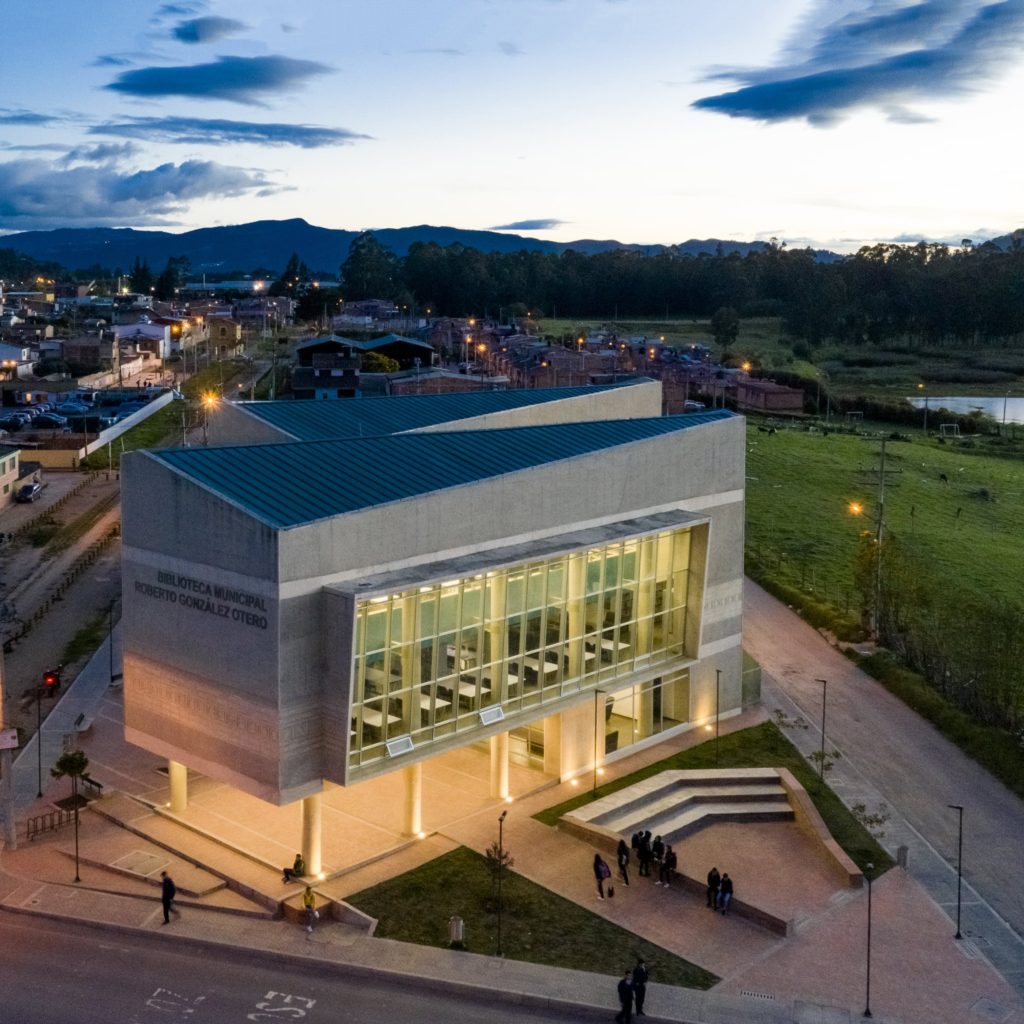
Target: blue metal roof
point(290, 484)
point(393, 414)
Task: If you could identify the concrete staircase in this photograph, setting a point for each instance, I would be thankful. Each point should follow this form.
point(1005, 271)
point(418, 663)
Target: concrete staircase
point(678, 803)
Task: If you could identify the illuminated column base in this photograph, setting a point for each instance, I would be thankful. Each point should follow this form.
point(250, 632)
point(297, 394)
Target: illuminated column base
point(414, 799)
point(312, 834)
point(499, 766)
point(178, 775)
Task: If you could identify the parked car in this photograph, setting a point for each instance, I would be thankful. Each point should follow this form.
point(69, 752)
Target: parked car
point(50, 420)
point(12, 423)
point(28, 492)
point(689, 406)
point(70, 409)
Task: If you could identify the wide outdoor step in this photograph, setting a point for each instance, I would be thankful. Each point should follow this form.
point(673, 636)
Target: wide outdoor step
point(237, 870)
point(665, 784)
point(631, 815)
point(675, 828)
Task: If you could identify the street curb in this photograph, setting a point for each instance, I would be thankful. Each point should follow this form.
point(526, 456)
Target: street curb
point(358, 970)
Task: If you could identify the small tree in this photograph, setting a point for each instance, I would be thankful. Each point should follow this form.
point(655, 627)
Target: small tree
point(498, 862)
point(72, 763)
point(725, 325)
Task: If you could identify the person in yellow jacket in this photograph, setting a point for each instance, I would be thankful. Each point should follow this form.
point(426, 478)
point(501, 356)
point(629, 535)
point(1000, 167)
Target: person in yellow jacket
point(309, 905)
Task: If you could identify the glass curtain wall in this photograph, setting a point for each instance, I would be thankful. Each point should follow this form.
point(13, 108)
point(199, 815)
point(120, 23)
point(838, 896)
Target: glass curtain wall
point(429, 659)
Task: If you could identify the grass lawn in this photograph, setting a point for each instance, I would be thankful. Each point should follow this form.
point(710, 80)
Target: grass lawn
point(761, 746)
point(537, 925)
point(800, 530)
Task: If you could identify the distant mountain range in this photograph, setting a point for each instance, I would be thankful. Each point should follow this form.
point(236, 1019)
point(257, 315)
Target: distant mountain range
point(269, 243)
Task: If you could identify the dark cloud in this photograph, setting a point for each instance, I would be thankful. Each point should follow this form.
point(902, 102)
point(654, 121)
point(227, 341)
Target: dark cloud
point(110, 60)
point(444, 51)
point(511, 50)
point(27, 117)
point(38, 194)
point(884, 54)
point(200, 131)
point(240, 79)
point(102, 153)
point(540, 224)
point(207, 30)
point(177, 10)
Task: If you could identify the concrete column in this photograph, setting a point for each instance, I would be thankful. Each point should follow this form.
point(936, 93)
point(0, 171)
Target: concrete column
point(414, 799)
point(178, 775)
point(499, 766)
point(554, 762)
point(312, 834)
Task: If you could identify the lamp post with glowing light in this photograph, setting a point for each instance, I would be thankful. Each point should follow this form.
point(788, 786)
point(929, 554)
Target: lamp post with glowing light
point(209, 402)
point(920, 387)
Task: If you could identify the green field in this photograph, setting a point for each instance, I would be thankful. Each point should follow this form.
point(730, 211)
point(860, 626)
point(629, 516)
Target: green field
point(538, 926)
point(889, 372)
point(962, 534)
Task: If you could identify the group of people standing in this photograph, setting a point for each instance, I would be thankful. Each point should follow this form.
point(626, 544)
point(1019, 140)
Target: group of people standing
point(650, 854)
point(654, 855)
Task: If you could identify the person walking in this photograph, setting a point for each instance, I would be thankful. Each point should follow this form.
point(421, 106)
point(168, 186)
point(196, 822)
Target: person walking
point(168, 890)
point(622, 856)
point(725, 893)
point(601, 872)
point(640, 977)
point(309, 905)
point(714, 881)
point(625, 1014)
point(668, 867)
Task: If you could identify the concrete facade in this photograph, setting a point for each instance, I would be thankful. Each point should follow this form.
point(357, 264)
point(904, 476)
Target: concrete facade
point(240, 639)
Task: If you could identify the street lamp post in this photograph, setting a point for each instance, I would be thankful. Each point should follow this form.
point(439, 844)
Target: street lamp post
point(824, 695)
point(959, 863)
point(501, 868)
point(39, 740)
point(868, 869)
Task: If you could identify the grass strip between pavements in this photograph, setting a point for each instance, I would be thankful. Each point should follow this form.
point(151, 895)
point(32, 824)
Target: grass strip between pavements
point(762, 746)
point(537, 925)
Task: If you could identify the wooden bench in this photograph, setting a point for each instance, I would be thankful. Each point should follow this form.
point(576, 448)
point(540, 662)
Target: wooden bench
point(94, 786)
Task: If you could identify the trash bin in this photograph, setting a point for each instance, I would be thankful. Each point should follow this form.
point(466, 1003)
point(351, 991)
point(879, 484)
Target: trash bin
point(455, 930)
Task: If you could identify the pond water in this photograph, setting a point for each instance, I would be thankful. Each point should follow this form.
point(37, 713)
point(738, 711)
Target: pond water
point(994, 407)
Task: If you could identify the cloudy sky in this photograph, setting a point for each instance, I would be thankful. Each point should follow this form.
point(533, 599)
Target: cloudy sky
point(830, 122)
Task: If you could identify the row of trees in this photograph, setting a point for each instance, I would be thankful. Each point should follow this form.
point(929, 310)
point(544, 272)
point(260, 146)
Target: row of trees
point(926, 293)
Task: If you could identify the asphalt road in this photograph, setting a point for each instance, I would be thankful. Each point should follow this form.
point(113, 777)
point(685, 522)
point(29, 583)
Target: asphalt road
point(55, 974)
